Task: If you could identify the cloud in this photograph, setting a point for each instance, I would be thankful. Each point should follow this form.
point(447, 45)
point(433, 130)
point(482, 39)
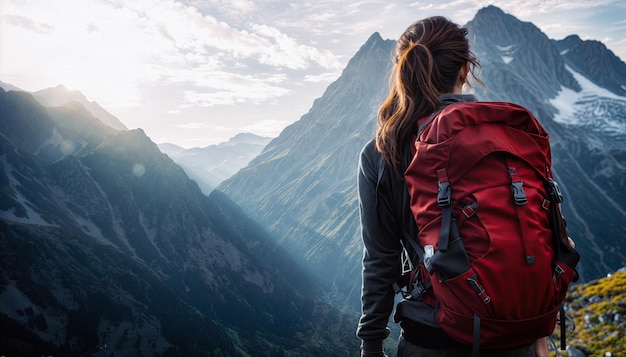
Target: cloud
point(155, 59)
point(212, 88)
point(257, 93)
point(321, 78)
point(191, 126)
point(29, 24)
point(267, 127)
point(282, 50)
point(110, 49)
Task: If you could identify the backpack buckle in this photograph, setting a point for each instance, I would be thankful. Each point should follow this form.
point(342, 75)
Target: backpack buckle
point(443, 198)
point(418, 291)
point(518, 187)
point(518, 193)
point(555, 191)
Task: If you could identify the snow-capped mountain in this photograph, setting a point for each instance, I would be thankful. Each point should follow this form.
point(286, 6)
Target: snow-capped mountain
point(573, 87)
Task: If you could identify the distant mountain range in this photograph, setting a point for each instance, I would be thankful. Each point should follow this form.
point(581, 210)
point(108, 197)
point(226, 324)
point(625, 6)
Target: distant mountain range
point(108, 247)
point(302, 188)
point(59, 95)
point(208, 166)
point(211, 165)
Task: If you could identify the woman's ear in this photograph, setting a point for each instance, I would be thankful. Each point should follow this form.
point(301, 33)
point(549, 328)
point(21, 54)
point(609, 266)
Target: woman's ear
point(464, 72)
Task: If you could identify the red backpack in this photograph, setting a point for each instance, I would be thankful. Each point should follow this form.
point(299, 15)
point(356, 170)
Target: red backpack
point(492, 240)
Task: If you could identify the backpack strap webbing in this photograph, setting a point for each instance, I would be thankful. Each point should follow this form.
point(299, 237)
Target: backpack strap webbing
point(520, 199)
point(444, 199)
point(476, 345)
point(562, 325)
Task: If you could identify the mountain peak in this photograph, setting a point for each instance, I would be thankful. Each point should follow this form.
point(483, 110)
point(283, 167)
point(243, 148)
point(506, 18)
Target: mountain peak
point(491, 9)
point(595, 61)
point(7, 87)
point(520, 51)
point(374, 43)
point(248, 138)
point(60, 90)
point(497, 17)
point(493, 13)
point(573, 38)
point(375, 37)
point(60, 95)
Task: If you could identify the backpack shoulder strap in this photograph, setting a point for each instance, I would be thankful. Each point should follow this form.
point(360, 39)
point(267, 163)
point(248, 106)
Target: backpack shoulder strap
point(408, 222)
point(423, 125)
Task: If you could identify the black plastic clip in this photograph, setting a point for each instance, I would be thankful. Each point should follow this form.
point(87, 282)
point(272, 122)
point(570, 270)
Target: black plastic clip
point(443, 197)
point(518, 193)
point(555, 191)
point(518, 187)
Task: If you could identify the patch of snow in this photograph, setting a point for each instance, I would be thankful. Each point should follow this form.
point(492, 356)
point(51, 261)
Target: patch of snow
point(506, 59)
point(32, 217)
point(17, 306)
point(589, 88)
point(564, 103)
point(13, 299)
point(591, 106)
point(91, 229)
point(507, 53)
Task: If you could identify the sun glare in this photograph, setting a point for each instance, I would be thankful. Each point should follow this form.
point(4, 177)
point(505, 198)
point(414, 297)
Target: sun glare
point(105, 54)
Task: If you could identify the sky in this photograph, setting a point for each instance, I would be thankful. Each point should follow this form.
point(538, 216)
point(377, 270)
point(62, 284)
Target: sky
point(197, 72)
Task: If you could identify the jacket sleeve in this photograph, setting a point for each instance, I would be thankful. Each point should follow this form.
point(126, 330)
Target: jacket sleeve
point(380, 232)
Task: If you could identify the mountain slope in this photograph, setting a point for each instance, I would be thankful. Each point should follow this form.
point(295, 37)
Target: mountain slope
point(113, 249)
point(59, 95)
point(7, 87)
point(303, 186)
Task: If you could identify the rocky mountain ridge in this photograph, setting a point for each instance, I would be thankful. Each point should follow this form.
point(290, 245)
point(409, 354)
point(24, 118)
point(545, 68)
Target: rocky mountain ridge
point(109, 247)
point(302, 186)
point(60, 95)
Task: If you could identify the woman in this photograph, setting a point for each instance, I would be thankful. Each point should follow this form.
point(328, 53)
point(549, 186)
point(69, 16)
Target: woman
point(432, 64)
